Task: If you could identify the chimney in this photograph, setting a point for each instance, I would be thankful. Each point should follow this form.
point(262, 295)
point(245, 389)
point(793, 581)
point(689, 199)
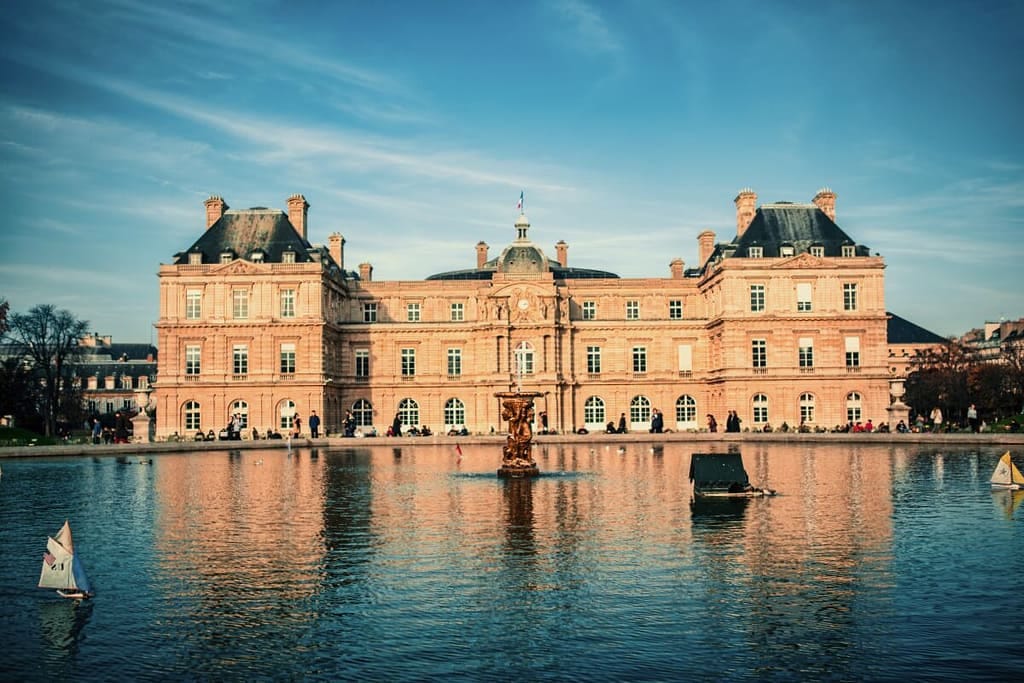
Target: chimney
point(481, 254)
point(215, 208)
point(562, 252)
point(297, 209)
point(746, 205)
point(336, 246)
point(365, 272)
point(676, 268)
point(826, 201)
point(705, 245)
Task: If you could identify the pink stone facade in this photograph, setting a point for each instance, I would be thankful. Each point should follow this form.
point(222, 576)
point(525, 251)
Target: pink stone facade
point(437, 351)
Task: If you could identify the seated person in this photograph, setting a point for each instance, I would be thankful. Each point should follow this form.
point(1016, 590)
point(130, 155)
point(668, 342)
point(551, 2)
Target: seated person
point(610, 428)
point(425, 430)
point(464, 431)
point(210, 436)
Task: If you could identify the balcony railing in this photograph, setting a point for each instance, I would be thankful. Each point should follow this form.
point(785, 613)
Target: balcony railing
point(240, 377)
point(851, 369)
point(188, 378)
point(454, 377)
point(686, 374)
point(760, 371)
point(806, 371)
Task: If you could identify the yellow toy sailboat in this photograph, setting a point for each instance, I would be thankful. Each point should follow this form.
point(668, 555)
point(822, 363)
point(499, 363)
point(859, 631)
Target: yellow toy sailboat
point(1007, 476)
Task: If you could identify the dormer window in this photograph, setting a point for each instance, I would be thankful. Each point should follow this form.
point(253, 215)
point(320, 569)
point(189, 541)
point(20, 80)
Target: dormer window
point(288, 256)
point(195, 259)
point(787, 250)
point(257, 256)
point(226, 257)
point(818, 250)
point(755, 252)
point(849, 251)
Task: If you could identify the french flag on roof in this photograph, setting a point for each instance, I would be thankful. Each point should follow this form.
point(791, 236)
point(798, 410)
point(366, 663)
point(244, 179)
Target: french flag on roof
point(519, 206)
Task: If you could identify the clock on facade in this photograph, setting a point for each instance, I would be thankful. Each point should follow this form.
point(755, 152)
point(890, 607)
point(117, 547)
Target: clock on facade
point(523, 304)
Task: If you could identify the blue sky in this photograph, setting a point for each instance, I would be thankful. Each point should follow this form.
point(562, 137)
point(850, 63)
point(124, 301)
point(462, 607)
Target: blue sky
point(411, 128)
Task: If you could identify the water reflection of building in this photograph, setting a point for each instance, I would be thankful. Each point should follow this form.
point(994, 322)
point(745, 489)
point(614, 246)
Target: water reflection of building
point(785, 322)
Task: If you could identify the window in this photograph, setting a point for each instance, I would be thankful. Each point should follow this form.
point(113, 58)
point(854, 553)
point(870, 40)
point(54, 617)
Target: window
point(362, 411)
point(594, 360)
point(458, 312)
point(240, 355)
point(760, 411)
point(192, 416)
point(639, 359)
point(593, 411)
point(412, 313)
point(675, 309)
point(143, 382)
point(126, 382)
point(286, 415)
point(818, 251)
point(241, 409)
point(786, 250)
point(193, 304)
point(803, 296)
point(685, 360)
point(195, 259)
point(806, 353)
point(806, 408)
point(524, 358)
point(632, 310)
point(239, 304)
point(362, 362)
point(852, 352)
point(849, 251)
point(756, 298)
point(370, 313)
point(590, 310)
point(288, 358)
point(755, 252)
point(853, 408)
point(257, 256)
point(759, 353)
point(850, 296)
point(225, 257)
point(288, 256)
point(454, 413)
point(408, 362)
point(454, 363)
point(287, 303)
point(192, 359)
point(640, 410)
point(409, 411)
point(686, 411)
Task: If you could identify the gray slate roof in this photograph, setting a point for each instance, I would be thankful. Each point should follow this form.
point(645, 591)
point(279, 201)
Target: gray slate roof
point(798, 225)
point(243, 232)
point(902, 331)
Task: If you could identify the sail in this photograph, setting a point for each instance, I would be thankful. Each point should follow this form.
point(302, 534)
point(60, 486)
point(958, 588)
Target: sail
point(61, 568)
point(1006, 473)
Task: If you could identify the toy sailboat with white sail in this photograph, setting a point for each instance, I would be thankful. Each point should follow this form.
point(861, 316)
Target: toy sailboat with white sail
point(1007, 476)
point(62, 568)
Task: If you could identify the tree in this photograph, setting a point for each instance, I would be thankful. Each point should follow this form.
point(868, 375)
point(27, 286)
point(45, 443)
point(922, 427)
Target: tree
point(940, 378)
point(49, 339)
point(1013, 364)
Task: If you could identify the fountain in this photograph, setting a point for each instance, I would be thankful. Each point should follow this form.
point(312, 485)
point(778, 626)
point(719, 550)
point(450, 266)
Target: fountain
point(517, 408)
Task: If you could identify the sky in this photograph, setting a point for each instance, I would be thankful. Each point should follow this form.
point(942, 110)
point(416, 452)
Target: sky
point(412, 128)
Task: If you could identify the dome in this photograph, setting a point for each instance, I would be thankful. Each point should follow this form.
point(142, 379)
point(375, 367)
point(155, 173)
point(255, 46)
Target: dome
point(523, 258)
point(522, 221)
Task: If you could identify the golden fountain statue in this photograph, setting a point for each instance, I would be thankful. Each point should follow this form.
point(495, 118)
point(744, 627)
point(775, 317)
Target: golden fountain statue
point(517, 408)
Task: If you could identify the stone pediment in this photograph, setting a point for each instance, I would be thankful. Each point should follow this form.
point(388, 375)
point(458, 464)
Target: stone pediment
point(805, 261)
point(239, 267)
point(524, 303)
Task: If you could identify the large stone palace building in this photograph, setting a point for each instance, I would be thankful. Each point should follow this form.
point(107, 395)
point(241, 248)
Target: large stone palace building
point(784, 323)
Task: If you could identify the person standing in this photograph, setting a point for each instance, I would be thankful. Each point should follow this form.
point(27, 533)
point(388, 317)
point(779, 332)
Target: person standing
point(712, 423)
point(972, 418)
point(936, 420)
point(396, 426)
point(296, 425)
point(314, 424)
point(622, 423)
point(97, 430)
point(657, 422)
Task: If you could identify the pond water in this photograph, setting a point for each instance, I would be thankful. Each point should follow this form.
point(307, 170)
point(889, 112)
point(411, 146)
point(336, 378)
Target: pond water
point(408, 564)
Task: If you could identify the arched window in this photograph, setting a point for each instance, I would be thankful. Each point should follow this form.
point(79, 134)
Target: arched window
point(409, 411)
point(639, 410)
point(760, 409)
point(524, 358)
point(454, 413)
point(362, 411)
point(806, 408)
point(193, 416)
point(686, 412)
point(853, 413)
point(593, 412)
point(287, 414)
point(241, 409)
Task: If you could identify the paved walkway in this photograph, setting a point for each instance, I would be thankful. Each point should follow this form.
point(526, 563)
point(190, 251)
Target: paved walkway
point(1002, 440)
